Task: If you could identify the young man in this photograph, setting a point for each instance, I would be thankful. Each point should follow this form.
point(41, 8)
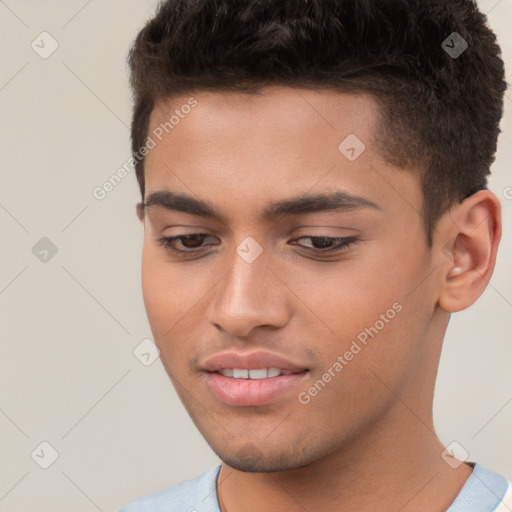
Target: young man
point(313, 175)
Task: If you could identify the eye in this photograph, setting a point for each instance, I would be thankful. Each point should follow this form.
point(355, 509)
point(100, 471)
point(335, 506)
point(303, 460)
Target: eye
point(190, 242)
point(320, 245)
point(329, 245)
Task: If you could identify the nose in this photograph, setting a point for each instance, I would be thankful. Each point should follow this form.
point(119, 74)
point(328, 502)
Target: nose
point(249, 296)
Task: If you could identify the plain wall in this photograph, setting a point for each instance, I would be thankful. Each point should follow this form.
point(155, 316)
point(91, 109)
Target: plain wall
point(69, 325)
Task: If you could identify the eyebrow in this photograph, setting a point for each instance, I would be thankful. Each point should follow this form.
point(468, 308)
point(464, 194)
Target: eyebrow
point(337, 201)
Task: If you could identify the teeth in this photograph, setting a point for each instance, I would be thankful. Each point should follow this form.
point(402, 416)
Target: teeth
point(260, 373)
point(274, 372)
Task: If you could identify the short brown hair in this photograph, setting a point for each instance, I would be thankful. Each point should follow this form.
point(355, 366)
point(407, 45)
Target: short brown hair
point(440, 111)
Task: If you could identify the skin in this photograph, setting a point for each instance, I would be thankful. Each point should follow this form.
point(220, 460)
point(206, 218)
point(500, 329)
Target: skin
point(371, 426)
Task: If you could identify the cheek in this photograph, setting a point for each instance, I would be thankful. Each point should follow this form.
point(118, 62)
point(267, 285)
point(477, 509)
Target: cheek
point(365, 303)
point(164, 297)
point(169, 289)
point(162, 307)
point(154, 287)
point(173, 294)
point(345, 297)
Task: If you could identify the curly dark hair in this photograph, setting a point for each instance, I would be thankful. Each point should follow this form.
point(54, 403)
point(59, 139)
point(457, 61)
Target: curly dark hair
point(440, 108)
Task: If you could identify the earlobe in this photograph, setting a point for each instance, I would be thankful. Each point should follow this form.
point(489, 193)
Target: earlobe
point(468, 260)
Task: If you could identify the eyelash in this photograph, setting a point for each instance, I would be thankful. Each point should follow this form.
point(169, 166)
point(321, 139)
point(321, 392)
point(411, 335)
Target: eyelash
point(344, 244)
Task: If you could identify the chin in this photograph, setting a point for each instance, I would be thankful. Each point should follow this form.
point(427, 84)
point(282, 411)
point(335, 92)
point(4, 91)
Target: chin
point(250, 459)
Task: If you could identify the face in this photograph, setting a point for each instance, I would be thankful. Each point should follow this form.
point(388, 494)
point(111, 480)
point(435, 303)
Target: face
point(301, 282)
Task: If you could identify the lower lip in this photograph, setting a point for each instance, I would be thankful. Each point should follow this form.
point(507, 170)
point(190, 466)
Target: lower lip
point(251, 391)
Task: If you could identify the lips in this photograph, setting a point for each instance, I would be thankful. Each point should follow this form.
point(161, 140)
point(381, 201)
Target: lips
point(250, 379)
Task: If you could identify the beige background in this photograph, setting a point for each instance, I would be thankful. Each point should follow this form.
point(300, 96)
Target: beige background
point(69, 325)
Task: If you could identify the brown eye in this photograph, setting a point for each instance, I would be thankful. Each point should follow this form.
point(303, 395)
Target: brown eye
point(192, 241)
point(189, 242)
point(328, 245)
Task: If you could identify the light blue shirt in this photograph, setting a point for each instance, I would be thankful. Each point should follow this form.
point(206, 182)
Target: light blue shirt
point(484, 491)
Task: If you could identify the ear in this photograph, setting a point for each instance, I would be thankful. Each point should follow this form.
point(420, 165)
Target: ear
point(139, 208)
point(471, 232)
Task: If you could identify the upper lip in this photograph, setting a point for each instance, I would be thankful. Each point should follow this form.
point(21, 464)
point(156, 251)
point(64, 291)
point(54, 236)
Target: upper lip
point(250, 361)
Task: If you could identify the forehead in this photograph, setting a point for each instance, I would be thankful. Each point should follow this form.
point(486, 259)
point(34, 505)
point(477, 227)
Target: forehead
point(272, 109)
point(280, 143)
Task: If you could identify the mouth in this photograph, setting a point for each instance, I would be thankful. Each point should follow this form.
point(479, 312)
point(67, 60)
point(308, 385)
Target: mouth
point(252, 379)
point(254, 374)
